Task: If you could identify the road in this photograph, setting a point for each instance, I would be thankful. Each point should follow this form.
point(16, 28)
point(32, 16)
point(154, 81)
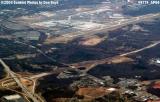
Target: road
point(41, 52)
point(92, 63)
point(39, 75)
point(107, 27)
point(31, 95)
point(122, 23)
point(133, 20)
point(9, 81)
point(142, 49)
point(38, 50)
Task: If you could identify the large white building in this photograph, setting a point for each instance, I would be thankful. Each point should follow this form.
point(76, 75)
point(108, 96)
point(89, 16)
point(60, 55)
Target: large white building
point(12, 98)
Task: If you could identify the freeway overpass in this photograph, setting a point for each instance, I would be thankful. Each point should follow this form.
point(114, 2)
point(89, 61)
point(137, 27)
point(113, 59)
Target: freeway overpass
point(32, 96)
point(119, 24)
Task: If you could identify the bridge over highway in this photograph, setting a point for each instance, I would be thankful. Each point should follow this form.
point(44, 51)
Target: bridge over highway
point(36, 98)
point(29, 94)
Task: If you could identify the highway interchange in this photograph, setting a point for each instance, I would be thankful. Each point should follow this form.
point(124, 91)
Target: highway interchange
point(34, 97)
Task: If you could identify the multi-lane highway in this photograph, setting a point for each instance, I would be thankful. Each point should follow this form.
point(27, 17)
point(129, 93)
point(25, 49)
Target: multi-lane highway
point(107, 27)
point(119, 24)
point(92, 63)
point(142, 49)
point(32, 96)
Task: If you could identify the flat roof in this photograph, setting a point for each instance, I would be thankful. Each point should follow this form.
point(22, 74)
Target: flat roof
point(12, 97)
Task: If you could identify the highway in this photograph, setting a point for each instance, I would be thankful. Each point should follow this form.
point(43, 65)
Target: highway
point(38, 50)
point(108, 27)
point(92, 63)
point(142, 49)
point(119, 24)
point(41, 52)
point(122, 23)
point(31, 95)
point(9, 81)
point(39, 75)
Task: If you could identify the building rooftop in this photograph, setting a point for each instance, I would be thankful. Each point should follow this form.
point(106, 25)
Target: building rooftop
point(11, 97)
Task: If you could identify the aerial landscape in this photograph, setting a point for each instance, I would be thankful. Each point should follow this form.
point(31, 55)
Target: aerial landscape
point(80, 51)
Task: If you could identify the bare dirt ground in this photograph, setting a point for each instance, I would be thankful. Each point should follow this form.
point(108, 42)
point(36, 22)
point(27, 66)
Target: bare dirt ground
point(114, 60)
point(92, 93)
point(91, 41)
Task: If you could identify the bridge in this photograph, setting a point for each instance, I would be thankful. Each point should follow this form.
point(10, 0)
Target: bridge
point(34, 97)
